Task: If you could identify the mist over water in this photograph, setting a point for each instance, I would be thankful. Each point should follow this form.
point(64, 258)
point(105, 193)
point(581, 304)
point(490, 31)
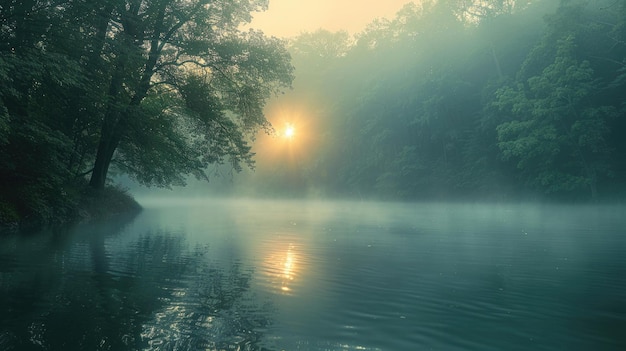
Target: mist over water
point(290, 246)
point(287, 275)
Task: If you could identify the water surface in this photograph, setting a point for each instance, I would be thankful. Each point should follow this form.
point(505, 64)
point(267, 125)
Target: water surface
point(294, 275)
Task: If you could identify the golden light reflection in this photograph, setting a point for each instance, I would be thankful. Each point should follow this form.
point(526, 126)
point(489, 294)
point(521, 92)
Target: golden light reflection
point(289, 265)
point(283, 269)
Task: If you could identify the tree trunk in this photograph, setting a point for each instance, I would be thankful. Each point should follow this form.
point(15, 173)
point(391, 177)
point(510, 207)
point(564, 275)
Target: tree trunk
point(109, 133)
point(106, 148)
point(114, 121)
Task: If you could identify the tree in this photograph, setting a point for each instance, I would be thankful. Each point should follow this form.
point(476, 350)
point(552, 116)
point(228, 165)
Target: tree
point(558, 139)
point(158, 89)
point(160, 47)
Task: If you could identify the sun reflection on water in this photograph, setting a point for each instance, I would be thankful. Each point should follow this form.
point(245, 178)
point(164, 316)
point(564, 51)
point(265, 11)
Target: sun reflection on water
point(282, 269)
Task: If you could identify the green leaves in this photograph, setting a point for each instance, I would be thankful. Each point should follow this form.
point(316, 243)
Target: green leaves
point(486, 98)
point(158, 89)
point(557, 137)
point(216, 79)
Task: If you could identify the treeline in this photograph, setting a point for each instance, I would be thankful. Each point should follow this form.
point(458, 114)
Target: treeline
point(495, 99)
point(156, 89)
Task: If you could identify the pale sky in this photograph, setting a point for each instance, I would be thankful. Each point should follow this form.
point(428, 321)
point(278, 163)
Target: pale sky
point(287, 18)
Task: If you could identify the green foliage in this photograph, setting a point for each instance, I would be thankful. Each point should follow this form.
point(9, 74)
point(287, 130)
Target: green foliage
point(89, 86)
point(4, 125)
point(34, 176)
point(557, 135)
point(469, 99)
point(156, 55)
point(463, 98)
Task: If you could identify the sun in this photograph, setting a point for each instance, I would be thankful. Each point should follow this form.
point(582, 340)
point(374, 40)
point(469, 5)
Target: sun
point(289, 132)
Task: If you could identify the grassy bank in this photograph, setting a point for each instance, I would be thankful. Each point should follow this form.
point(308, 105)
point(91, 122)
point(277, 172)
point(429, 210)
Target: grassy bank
point(68, 205)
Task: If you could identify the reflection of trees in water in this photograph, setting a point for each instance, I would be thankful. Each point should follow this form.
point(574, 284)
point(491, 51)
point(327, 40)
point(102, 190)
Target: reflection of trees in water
point(214, 311)
point(151, 294)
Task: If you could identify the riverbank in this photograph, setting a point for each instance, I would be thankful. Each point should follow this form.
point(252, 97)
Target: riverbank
point(71, 206)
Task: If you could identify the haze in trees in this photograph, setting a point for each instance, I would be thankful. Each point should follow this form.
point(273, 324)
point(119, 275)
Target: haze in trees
point(450, 99)
point(459, 100)
point(155, 89)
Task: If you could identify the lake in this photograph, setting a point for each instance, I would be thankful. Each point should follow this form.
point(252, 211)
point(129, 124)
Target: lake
point(205, 274)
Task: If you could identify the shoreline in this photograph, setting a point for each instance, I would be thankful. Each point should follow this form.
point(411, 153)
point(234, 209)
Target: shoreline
point(87, 205)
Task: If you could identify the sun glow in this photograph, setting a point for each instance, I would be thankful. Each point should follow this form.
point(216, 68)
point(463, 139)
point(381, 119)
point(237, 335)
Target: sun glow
point(289, 132)
point(287, 18)
point(291, 141)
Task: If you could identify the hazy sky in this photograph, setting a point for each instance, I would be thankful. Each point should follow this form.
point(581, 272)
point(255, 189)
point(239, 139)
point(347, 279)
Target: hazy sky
point(287, 18)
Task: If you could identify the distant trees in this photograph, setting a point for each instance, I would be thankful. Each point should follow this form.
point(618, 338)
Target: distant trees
point(158, 88)
point(462, 98)
point(563, 112)
point(473, 99)
point(557, 135)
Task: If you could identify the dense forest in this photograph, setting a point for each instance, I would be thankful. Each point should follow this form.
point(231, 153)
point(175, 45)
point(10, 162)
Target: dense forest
point(155, 89)
point(498, 100)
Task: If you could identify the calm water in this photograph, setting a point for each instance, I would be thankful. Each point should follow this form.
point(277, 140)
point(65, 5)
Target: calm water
point(262, 275)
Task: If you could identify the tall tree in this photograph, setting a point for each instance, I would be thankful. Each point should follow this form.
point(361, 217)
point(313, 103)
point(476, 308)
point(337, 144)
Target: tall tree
point(158, 47)
point(158, 89)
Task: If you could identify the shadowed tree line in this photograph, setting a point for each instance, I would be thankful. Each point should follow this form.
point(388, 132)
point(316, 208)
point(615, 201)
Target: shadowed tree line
point(496, 99)
point(156, 89)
